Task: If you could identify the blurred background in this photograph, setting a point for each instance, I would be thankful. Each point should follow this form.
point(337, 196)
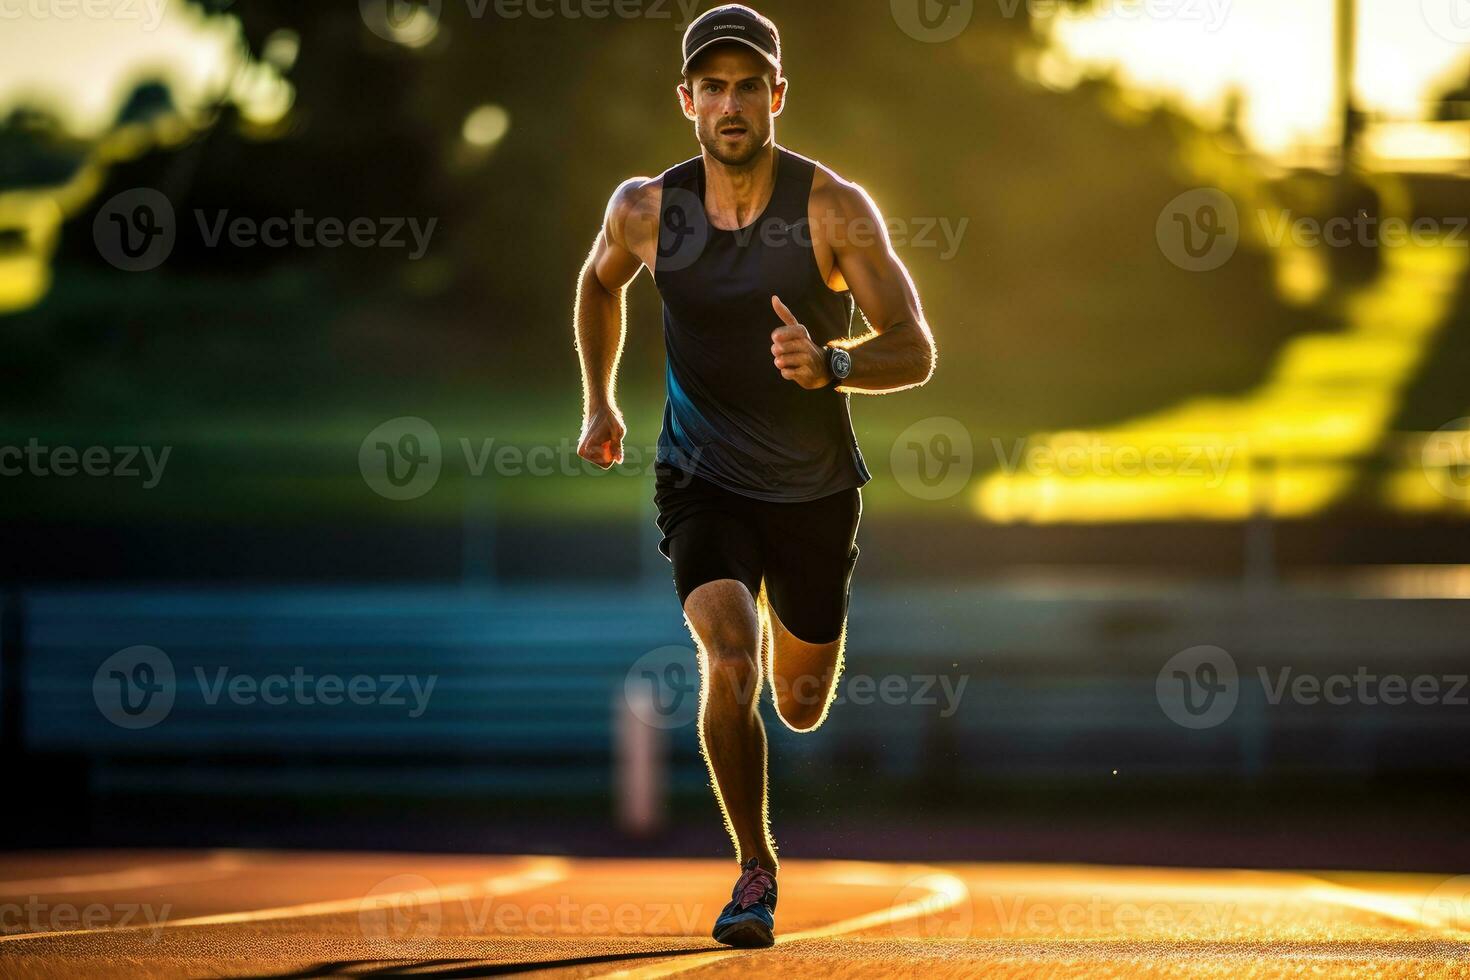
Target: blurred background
point(288, 404)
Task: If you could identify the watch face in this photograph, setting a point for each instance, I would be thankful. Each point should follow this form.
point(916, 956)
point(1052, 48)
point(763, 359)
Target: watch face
point(841, 363)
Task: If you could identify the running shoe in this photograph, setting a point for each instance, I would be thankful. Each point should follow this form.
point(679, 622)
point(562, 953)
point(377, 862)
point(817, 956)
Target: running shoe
point(749, 920)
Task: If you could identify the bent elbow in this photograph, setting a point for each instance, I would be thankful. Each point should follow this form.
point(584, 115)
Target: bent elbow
point(928, 361)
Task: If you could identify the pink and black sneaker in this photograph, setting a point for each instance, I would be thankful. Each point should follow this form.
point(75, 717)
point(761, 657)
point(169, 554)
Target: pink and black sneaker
point(749, 921)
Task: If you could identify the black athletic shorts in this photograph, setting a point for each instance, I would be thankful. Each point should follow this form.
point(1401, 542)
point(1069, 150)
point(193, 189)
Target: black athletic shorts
point(804, 552)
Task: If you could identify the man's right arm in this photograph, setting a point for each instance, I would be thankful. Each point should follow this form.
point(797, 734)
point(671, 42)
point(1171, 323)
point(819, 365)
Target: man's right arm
point(601, 316)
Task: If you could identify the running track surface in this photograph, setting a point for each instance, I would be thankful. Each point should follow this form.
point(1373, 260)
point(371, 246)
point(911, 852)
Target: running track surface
point(272, 914)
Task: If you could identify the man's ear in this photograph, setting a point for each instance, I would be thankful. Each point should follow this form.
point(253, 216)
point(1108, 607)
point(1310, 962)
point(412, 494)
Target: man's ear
point(778, 96)
point(686, 101)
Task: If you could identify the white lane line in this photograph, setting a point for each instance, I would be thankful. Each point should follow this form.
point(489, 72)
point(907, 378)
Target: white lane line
point(218, 865)
point(537, 873)
point(944, 891)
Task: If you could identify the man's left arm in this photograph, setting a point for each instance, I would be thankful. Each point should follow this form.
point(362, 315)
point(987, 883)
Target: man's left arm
point(898, 352)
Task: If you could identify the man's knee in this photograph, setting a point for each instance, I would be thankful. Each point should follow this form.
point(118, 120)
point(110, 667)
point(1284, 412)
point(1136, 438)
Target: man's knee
point(802, 716)
point(723, 618)
point(802, 701)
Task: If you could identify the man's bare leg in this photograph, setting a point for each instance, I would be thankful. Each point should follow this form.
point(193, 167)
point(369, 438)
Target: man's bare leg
point(803, 675)
point(723, 618)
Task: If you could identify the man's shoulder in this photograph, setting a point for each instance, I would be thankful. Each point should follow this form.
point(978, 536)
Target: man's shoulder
point(633, 210)
point(833, 193)
point(635, 195)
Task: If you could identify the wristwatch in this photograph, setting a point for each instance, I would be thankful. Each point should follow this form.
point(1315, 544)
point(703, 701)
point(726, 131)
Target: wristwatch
point(839, 363)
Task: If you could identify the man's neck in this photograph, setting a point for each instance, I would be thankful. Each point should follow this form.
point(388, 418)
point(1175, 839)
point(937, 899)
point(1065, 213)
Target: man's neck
point(736, 196)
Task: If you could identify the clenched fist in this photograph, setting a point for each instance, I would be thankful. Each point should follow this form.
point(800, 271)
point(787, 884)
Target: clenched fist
point(602, 437)
point(797, 358)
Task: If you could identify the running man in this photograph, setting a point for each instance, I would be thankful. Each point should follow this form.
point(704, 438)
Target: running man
point(759, 255)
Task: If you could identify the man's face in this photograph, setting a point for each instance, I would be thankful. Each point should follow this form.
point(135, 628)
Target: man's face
point(732, 97)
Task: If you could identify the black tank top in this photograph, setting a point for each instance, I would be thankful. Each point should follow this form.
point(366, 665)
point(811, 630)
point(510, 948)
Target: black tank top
point(730, 417)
